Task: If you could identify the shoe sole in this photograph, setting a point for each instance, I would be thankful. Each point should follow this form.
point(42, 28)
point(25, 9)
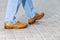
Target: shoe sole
point(14, 27)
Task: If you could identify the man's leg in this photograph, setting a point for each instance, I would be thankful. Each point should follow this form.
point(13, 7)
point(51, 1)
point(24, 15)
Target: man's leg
point(12, 9)
point(11, 21)
point(31, 12)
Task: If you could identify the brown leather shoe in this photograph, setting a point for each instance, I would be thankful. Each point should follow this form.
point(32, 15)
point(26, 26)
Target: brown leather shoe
point(17, 25)
point(37, 16)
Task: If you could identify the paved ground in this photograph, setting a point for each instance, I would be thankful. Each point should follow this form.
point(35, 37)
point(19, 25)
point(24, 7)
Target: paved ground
point(47, 28)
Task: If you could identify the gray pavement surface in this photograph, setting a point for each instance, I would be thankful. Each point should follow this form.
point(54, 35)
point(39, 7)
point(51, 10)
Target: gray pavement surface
point(48, 28)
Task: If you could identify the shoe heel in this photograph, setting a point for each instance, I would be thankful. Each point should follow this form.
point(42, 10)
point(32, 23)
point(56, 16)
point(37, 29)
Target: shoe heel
point(31, 22)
